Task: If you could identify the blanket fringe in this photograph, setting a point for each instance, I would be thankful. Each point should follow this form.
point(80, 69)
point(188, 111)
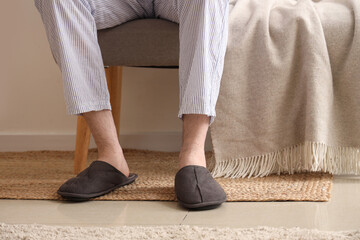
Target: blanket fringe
point(305, 157)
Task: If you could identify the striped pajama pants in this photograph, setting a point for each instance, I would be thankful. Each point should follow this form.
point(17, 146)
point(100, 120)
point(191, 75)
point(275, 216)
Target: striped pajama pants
point(71, 29)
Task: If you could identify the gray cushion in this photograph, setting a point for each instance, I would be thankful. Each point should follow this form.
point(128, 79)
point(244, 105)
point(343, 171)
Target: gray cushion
point(141, 42)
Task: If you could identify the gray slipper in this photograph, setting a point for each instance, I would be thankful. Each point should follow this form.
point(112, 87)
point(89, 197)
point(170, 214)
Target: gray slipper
point(195, 188)
point(94, 181)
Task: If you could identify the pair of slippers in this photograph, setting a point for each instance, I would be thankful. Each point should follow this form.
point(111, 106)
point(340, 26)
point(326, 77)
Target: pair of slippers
point(195, 188)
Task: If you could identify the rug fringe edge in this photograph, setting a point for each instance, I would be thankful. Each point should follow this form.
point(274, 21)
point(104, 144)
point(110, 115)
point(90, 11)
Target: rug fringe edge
point(306, 157)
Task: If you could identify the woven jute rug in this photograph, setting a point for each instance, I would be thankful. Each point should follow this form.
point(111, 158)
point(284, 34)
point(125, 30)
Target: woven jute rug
point(38, 175)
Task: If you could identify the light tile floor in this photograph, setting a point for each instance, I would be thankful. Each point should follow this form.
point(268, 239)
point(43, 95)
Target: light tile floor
point(342, 212)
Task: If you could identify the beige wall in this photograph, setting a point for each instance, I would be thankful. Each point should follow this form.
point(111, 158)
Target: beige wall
point(31, 90)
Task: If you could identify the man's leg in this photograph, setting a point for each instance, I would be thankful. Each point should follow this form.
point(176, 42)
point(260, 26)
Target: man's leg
point(71, 28)
point(203, 26)
point(203, 39)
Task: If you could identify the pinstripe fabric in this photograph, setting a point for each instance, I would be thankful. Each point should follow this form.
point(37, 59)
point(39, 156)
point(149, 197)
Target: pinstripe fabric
point(71, 28)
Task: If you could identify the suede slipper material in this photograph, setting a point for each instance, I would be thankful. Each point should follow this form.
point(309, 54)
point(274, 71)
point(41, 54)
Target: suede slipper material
point(195, 188)
point(94, 181)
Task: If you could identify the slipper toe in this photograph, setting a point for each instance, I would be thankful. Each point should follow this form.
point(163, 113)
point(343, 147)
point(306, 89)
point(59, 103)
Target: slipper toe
point(196, 189)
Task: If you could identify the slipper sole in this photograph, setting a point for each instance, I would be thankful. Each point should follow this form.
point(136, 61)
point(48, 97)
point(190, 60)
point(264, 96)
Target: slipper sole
point(201, 206)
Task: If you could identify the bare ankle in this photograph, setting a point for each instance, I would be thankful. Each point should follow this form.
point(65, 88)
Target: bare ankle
point(116, 159)
point(192, 157)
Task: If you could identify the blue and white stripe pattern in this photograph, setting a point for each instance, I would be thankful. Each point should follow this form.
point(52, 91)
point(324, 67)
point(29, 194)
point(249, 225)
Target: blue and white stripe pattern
point(71, 28)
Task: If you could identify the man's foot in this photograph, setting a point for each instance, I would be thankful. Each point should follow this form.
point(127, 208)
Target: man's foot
point(195, 188)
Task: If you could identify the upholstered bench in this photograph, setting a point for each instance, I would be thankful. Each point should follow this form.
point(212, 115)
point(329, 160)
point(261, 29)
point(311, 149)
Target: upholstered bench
point(146, 42)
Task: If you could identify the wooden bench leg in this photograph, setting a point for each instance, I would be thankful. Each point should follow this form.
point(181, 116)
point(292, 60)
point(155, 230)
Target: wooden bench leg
point(83, 134)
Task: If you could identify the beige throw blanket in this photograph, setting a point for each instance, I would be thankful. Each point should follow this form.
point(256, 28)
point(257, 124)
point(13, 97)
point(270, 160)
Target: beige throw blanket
point(290, 94)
